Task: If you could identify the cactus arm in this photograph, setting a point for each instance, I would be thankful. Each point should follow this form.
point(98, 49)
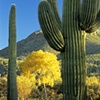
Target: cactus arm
point(49, 26)
point(88, 13)
point(54, 7)
point(12, 85)
point(96, 24)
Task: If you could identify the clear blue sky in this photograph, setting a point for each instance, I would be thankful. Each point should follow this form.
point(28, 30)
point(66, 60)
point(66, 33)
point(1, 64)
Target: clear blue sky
point(26, 18)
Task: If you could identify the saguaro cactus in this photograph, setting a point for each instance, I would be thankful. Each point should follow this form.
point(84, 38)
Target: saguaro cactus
point(68, 37)
point(12, 86)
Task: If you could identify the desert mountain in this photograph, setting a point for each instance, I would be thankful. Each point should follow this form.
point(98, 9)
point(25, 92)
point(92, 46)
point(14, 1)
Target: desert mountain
point(33, 42)
point(36, 41)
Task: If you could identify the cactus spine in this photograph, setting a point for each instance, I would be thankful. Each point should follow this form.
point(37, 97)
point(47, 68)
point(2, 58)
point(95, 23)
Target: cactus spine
point(12, 86)
point(68, 37)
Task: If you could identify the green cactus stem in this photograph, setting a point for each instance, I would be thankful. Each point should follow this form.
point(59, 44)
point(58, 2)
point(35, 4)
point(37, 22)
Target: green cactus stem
point(55, 40)
point(95, 25)
point(12, 85)
point(54, 8)
point(78, 18)
point(88, 13)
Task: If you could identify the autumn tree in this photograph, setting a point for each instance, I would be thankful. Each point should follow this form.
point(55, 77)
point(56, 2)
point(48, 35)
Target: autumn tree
point(44, 66)
point(25, 86)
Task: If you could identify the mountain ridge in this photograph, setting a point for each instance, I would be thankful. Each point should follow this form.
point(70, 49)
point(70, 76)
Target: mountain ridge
point(36, 41)
point(33, 42)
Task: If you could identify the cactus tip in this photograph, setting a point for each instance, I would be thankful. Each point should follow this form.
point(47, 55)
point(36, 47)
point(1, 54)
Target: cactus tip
point(13, 4)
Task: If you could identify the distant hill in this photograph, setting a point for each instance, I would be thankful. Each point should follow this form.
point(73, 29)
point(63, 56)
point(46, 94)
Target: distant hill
point(33, 42)
point(36, 41)
point(93, 43)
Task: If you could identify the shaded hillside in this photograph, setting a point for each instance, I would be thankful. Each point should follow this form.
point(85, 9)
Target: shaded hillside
point(93, 43)
point(93, 64)
point(33, 42)
point(36, 41)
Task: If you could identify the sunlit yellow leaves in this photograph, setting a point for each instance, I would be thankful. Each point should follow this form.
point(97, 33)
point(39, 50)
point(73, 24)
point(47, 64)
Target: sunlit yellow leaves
point(93, 80)
point(25, 85)
point(44, 65)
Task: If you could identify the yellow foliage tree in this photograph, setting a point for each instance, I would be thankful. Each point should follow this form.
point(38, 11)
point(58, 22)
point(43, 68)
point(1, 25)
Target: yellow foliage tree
point(93, 80)
point(25, 85)
point(44, 65)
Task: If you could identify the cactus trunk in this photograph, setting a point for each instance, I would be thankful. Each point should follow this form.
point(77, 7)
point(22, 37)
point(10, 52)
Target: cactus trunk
point(78, 18)
point(73, 57)
point(12, 85)
point(73, 67)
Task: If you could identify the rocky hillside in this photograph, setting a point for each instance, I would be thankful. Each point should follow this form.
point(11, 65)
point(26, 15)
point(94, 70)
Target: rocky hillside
point(93, 43)
point(36, 41)
point(33, 42)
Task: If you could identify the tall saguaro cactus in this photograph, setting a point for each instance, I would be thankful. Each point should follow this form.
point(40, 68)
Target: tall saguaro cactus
point(12, 86)
point(68, 37)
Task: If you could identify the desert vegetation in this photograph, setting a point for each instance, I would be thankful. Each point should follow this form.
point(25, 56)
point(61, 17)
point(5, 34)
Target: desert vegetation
point(41, 75)
point(37, 68)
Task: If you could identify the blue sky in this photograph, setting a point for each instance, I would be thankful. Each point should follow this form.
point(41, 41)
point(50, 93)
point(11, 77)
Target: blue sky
point(26, 18)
